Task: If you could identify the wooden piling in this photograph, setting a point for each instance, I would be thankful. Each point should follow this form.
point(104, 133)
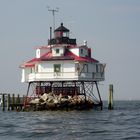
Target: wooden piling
point(110, 99)
point(13, 101)
point(18, 103)
point(18, 99)
point(3, 102)
point(8, 102)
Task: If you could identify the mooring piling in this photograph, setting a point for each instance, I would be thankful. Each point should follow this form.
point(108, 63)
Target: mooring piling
point(3, 102)
point(8, 102)
point(110, 99)
point(11, 102)
point(18, 99)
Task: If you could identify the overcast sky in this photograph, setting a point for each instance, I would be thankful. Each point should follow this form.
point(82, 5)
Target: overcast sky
point(111, 28)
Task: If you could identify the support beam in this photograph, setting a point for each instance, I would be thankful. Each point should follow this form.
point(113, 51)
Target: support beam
point(82, 89)
point(83, 86)
point(62, 87)
point(99, 95)
point(75, 90)
point(25, 101)
point(51, 83)
point(28, 89)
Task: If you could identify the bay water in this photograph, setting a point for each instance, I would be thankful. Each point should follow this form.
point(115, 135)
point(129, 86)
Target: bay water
point(122, 123)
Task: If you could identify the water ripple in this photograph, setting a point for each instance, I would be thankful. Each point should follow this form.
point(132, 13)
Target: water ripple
point(121, 123)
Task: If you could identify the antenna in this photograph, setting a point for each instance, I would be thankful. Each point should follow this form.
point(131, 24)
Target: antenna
point(53, 13)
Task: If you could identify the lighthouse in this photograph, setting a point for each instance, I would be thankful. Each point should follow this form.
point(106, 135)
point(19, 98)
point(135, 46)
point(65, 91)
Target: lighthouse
point(64, 69)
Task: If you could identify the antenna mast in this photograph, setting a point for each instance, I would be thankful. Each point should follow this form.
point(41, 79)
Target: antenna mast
point(53, 13)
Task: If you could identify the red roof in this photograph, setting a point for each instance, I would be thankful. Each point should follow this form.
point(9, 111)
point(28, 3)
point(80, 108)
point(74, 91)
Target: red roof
point(33, 60)
point(68, 56)
point(79, 58)
point(48, 57)
point(30, 63)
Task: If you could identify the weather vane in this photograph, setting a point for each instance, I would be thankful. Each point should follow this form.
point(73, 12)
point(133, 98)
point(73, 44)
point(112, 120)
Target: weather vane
point(53, 13)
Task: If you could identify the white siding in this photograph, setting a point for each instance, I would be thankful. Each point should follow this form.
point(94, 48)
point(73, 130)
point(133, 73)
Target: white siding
point(46, 66)
point(68, 67)
point(80, 51)
point(41, 51)
point(68, 71)
point(75, 51)
point(23, 76)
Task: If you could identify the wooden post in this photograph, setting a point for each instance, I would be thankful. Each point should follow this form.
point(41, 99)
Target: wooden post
point(3, 102)
point(18, 100)
point(13, 101)
point(17, 105)
point(23, 99)
point(8, 102)
point(110, 99)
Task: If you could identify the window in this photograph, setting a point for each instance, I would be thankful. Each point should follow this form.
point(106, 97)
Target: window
point(81, 51)
point(36, 68)
point(38, 53)
point(32, 70)
point(86, 68)
point(98, 68)
point(57, 51)
point(57, 67)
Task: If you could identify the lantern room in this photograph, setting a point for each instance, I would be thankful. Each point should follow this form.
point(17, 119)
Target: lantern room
point(61, 32)
point(61, 36)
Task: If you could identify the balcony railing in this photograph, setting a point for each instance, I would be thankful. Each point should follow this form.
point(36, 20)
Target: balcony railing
point(64, 76)
point(62, 40)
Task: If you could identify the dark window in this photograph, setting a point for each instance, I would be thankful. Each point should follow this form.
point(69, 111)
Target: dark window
point(97, 68)
point(31, 70)
point(81, 51)
point(57, 67)
point(57, 51)
point(86, 68)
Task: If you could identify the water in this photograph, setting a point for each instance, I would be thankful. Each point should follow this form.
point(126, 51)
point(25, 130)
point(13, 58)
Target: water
point(121, 123)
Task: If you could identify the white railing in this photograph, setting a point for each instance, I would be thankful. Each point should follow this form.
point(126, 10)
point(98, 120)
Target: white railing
point(64, 75)
point(51, 75)
point(98, 75)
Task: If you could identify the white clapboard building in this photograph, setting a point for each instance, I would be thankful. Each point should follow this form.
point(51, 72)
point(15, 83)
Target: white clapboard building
point(62, 66)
